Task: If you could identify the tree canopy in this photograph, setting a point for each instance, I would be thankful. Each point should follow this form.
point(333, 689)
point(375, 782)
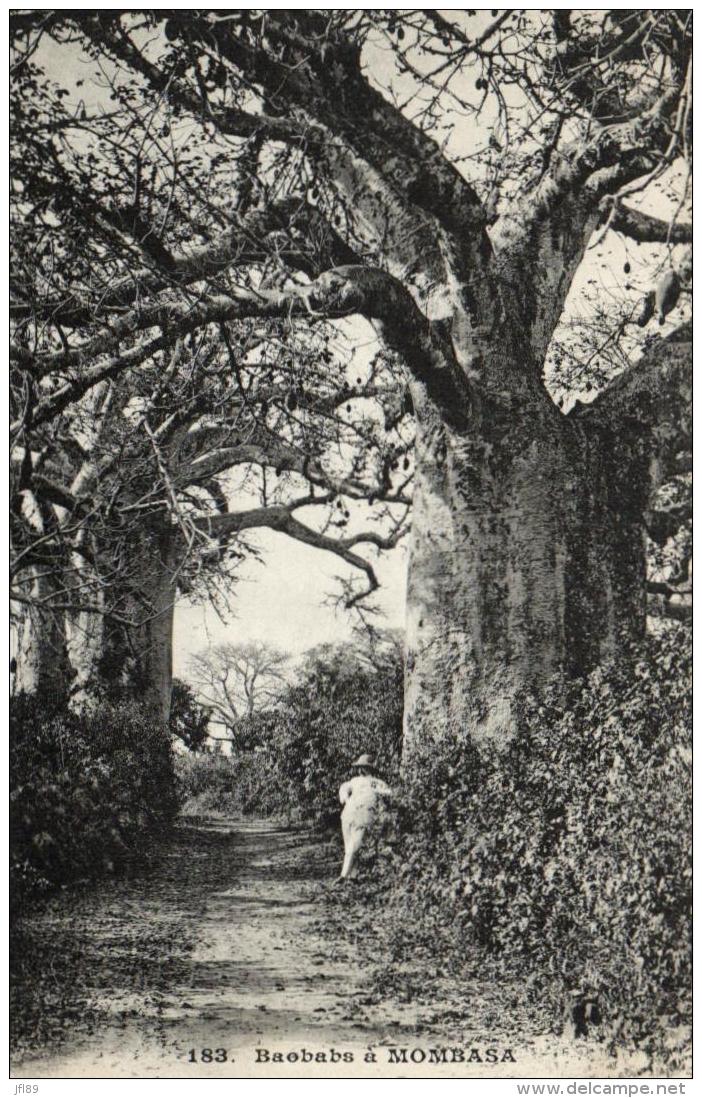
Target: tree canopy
point(236, 680)
point(213, 212)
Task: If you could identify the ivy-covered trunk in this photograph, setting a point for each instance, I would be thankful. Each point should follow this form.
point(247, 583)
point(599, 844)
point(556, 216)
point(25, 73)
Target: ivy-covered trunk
point(527, 565)
point(128, 650)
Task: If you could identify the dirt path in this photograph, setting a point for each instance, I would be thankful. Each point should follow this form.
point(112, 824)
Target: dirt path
point(222, 946)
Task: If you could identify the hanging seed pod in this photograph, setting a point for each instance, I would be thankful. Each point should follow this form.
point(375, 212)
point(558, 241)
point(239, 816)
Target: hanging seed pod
point(667, 294)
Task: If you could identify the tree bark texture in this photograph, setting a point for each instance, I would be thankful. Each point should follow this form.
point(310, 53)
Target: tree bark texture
point(135, 656)
point(41, 659)
point(528, 555)
point(129, 652)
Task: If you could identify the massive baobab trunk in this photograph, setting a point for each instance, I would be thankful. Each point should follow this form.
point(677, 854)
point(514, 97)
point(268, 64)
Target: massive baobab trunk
point(123, 649)
point(487, 580)
point(128, 650)
point(41, 656)
point(528, 555)
point(527, 562)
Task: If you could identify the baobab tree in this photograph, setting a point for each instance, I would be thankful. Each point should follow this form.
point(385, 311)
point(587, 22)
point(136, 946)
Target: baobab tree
point(146, 488)
point(238, 680)
point(465, 169)
point(141, 484)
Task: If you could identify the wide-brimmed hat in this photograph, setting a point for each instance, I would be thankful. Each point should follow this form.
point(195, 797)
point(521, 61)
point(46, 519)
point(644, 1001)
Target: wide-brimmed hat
point(364, 760)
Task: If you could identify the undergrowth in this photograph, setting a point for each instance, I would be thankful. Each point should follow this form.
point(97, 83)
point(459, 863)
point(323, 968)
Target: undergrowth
point(299, 753)
point(84, 791)
point(564, 860)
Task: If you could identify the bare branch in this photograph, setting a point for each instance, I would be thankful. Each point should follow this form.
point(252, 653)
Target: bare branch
point(644, 227)
point(343, 291)
point(281, 519)
point(251, 239)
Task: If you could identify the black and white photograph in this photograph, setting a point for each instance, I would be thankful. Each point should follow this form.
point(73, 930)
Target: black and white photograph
point(350, 544)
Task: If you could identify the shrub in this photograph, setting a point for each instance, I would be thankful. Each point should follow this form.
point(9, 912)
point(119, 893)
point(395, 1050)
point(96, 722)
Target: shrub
point(188, 721)
point(204, 784)
point(567, 857)
point(232, 785)
point(340, 706)
point(84, 788)
point(298, 754)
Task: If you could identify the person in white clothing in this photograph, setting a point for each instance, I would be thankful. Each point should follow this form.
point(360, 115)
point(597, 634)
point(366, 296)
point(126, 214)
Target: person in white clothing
point(364, 798)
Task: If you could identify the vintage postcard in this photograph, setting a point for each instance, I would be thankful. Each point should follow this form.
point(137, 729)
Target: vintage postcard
point(350, 375)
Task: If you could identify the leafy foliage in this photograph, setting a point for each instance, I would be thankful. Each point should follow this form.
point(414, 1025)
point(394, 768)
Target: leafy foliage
point(84, 789)
point(338, 709)
point(299, 753)
point(218, 784)
point(568, 857)
point(188, 720)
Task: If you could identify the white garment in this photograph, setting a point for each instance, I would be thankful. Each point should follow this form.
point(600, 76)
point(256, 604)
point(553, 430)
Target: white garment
point(364, 799)
point(363, 791)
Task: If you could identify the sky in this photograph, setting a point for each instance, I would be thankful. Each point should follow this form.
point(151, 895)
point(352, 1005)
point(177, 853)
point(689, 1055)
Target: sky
point(286, 598)
point(282, 601)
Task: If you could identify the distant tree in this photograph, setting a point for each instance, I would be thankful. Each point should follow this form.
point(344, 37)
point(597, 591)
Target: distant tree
point(341, 703)
point(189, 721)
point(236, 680)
